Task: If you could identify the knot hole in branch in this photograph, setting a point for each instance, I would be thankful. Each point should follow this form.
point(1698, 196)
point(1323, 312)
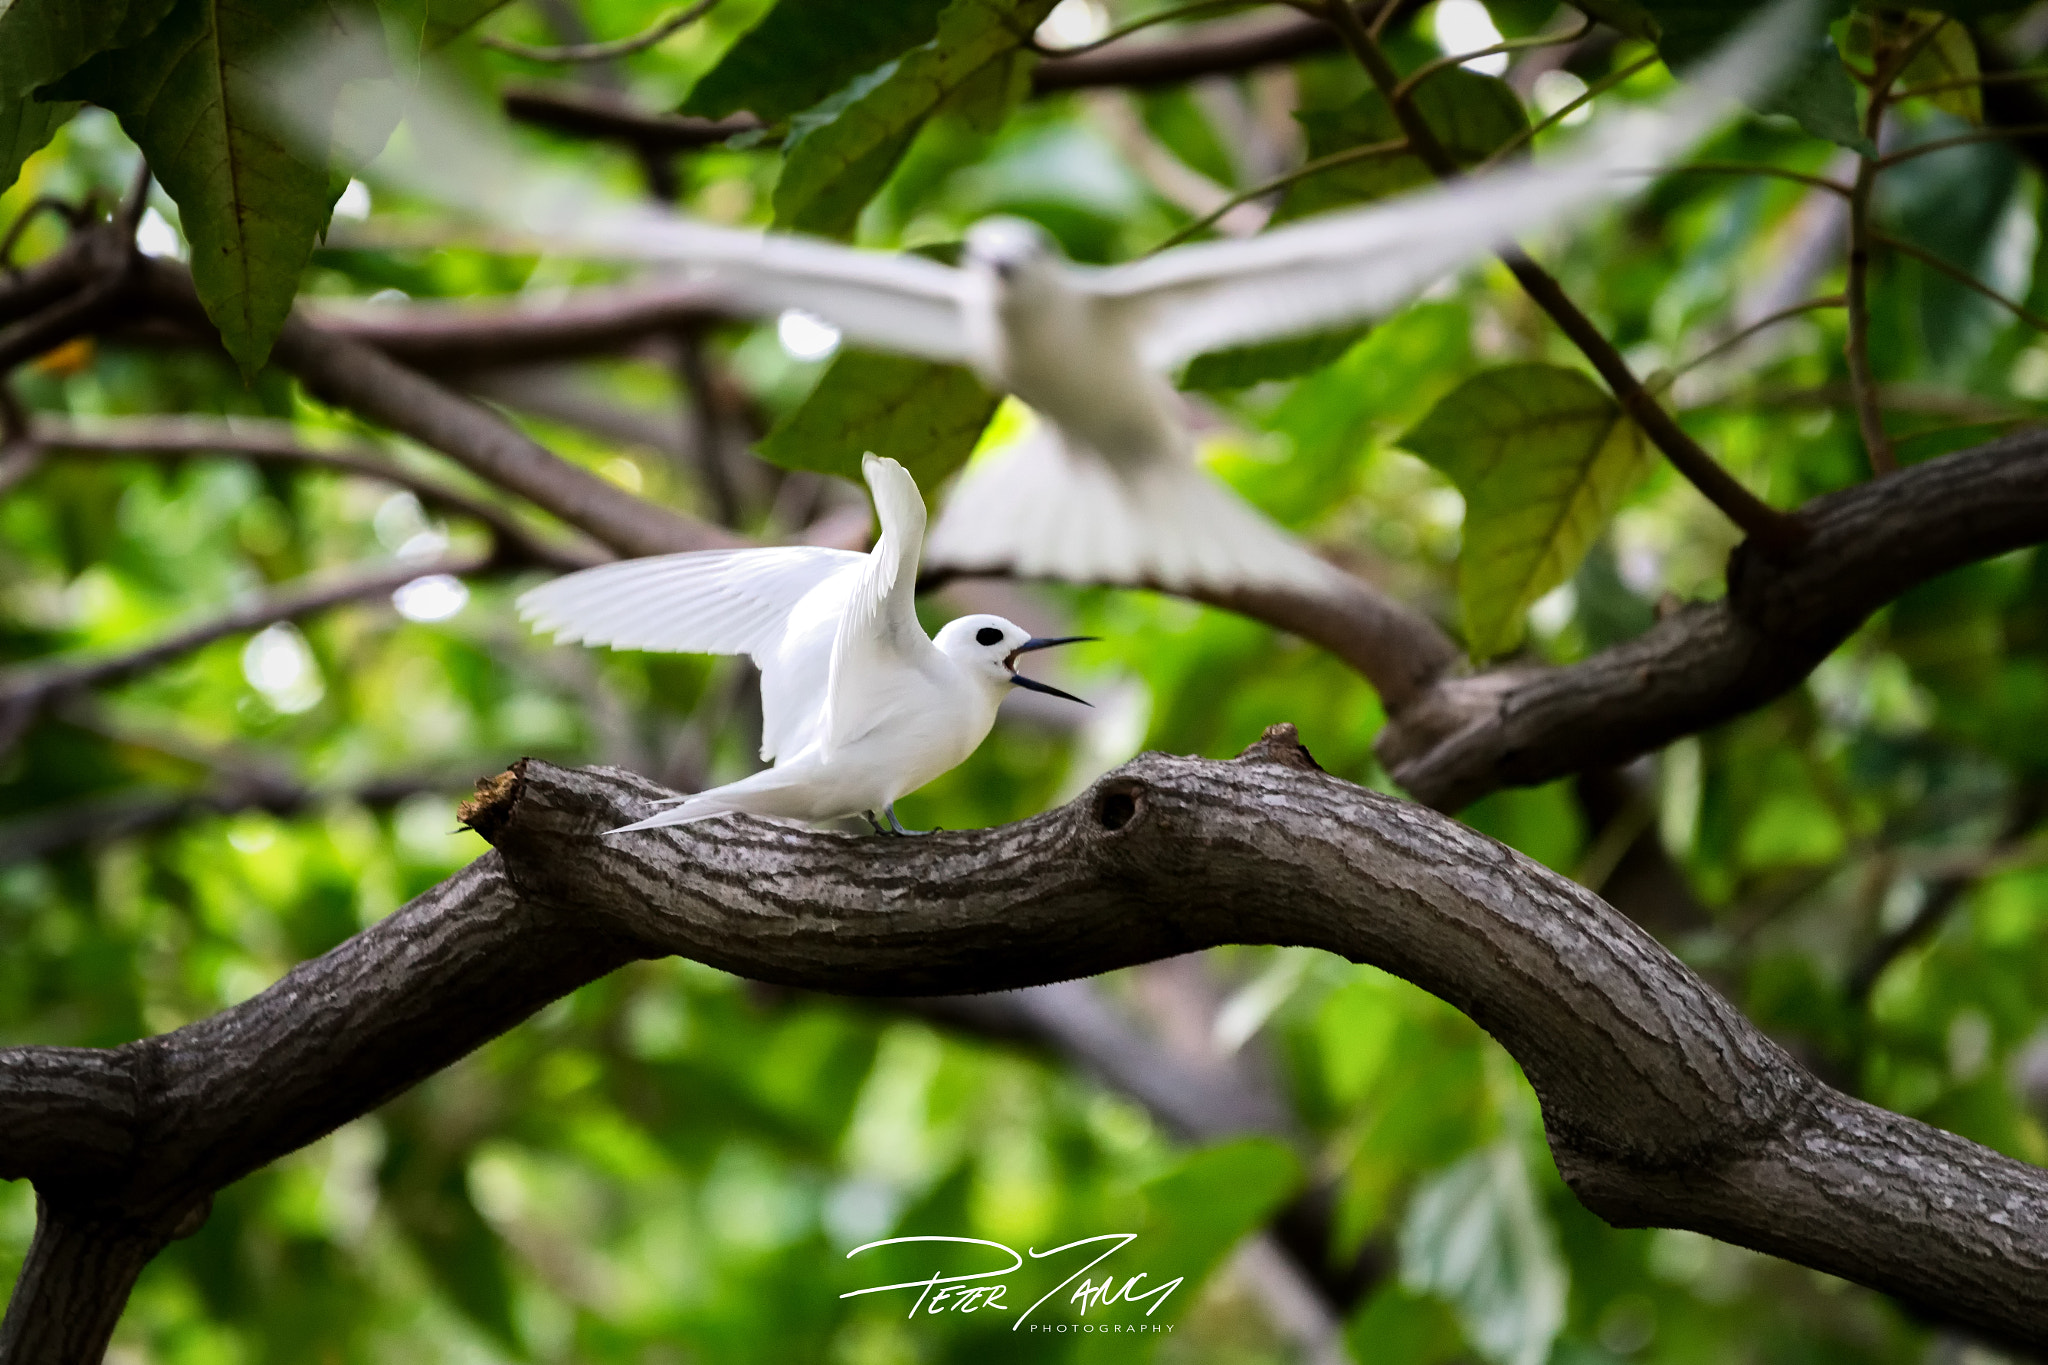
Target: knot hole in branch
point(1118, 804)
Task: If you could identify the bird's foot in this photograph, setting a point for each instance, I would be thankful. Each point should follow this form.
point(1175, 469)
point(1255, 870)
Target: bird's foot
point(876, 825)
point(895, 825)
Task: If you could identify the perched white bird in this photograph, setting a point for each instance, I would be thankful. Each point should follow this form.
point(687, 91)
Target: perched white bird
point(1108, 489)
point(858, 705)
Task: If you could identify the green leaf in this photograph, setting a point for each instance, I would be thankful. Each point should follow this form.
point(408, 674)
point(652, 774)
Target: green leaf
point(192, 96)
point(839, 155)
point(1542, 455)
point(1817, 93)
point(1472, 115)
point(925, 415)
point(433, 24)
point(1476, 1237)
point(1625, 16)
point(41, 40)
point(1204, 1206)
point(448, 20)
point(803, 50)
point(26, 126)
point(1950, 55)
point(1242, 366)
point(1821, 98)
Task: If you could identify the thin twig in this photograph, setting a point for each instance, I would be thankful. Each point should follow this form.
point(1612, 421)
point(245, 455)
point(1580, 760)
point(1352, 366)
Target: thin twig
point(1819, 182)
point(1962, 277)
point(1729, 343)
point(1126, 30)
point(605, 51)
point(1969, 82)
point(1565, 111)
point(1281, 182)
point(276, 443)
point(1942, 144)
point(1430, 68)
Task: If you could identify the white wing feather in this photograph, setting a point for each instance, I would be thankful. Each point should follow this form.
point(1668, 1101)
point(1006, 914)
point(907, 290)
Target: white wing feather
point(456, 158)
point(878, 631)
point(776, 605)
point(1360, 263)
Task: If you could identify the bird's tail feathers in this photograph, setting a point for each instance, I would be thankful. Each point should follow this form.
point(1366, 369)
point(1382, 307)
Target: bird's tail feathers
point(1040, 509)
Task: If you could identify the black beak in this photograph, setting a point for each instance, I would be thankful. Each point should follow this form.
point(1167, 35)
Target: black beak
point(1032, 684)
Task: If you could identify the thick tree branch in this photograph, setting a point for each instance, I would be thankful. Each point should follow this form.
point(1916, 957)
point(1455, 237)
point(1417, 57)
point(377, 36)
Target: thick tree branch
point(1662, 1104)
point(1715, 660)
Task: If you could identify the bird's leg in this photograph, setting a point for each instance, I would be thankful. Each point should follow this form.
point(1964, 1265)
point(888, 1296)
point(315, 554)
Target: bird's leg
point(896, 825)
point(876, 825)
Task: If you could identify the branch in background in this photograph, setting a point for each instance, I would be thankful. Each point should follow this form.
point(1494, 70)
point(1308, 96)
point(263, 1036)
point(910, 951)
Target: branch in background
point(1209, 50)
point(1073, 1021)
point(26, 689)
point(1712, 661)
point(581, 112)
point(353, 374)
point(101, 819)
point(446, 339)
point(277, 443)
point(1663, 1105)
point(1944, 893)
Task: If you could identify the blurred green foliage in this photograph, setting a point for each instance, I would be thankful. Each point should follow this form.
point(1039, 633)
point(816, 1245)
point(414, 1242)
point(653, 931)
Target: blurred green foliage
point(672, 1165)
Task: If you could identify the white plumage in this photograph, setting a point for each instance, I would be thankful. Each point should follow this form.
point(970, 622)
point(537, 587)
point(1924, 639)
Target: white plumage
point(858, 705)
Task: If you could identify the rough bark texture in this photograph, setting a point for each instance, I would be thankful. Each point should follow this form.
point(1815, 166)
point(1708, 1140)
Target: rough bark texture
point(1715, 660)
point(1663, 1105)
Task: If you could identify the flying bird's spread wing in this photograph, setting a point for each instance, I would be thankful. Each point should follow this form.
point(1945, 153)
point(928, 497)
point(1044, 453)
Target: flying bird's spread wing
point(450, 155)
point(1364, 262)
point(878, 631)
point(896, 302)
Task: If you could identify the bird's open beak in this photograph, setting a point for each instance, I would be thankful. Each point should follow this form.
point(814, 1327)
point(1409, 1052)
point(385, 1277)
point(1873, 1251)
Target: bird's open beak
point(1032, 684)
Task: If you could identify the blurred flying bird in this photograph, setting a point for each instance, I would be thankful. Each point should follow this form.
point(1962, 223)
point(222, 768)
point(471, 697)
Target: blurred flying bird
point(1107, 489)
point(858, 705)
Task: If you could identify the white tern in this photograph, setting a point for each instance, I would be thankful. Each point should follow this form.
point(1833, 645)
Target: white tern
point(1108, 489)
point(858, 705)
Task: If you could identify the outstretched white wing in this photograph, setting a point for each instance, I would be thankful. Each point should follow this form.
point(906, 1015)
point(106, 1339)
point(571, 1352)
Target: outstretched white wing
point(447, 153)
point(1361, 263)
point(776, 605)
point(878, 631)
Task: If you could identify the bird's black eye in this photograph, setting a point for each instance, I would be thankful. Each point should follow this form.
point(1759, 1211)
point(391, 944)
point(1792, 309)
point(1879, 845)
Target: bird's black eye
point(988, 635)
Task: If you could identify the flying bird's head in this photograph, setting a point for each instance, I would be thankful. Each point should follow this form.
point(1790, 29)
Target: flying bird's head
point(1013, 250)
point(988, 646)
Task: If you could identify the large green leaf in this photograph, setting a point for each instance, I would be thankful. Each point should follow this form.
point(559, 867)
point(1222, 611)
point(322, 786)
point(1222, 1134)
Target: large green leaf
point(26, 126)
point(925, 415)
point(193, 95)
point(1542, 455)
point(803, 50)
point(1472, 115)
point(839, 156)
point(41, 40)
